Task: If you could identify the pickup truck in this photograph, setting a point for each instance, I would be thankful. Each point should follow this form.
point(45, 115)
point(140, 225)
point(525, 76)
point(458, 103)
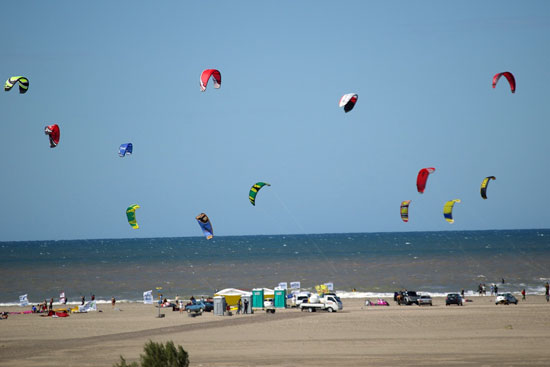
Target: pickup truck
point(330, 303)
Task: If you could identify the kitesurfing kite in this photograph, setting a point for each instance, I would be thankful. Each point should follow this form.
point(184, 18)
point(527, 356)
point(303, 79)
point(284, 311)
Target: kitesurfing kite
point(405, 210)
point(254, 191)
point(125, 149)
point(131, 214)
point(54, 134)
point(211, 73)
point(508, 76)
point(205, 225)
point(422, 178)
point(23, 83)
point(448, 210)
point(484, 185)
point(348, 101)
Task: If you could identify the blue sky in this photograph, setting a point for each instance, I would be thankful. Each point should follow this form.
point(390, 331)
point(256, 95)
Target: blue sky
point(116, 72)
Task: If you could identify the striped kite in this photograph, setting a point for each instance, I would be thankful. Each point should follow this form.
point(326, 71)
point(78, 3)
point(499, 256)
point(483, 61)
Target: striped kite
point(405, 210)
point(125, 149)
point(23, 84)
point(484, 185)
point(131, 214)
point(448, 210)
point(254, 191)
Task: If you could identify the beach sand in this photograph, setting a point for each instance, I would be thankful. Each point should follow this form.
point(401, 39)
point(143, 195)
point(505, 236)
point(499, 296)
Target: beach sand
point(477, 334)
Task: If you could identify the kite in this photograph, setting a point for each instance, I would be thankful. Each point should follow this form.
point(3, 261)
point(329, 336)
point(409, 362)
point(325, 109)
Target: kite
point(348, 101)
point(131, 214)
point(405, 210)
point(125, 149)
point(216, 77)
point(484, 185)
point(23, 84)
point(448, 210)
point(508, 76)
point(54, 134)
point(254, 191)
point(423, 178)
point(205, 225)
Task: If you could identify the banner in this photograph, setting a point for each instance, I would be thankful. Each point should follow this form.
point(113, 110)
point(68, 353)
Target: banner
point(283, 285)
point(23, 301)
point(330, 286)
point(62, 298)
point(295, 285)
point(148, 297)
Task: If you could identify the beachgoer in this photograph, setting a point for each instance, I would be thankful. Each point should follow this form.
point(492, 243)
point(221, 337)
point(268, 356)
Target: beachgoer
point(245, 306)
point(181, 306)
point(547, 287)
point(462, 292)
point(492, 289)
point(113, 301)
point(523, 294)
point(193, 300)
point(34, 310)
point(93, 297)
point(51, 304)
point(502, 280)
point(239, 306)
point(83, 299)
point(496, 289)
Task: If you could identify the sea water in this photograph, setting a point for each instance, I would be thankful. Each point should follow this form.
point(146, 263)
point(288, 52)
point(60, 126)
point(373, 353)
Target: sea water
point(371, 263)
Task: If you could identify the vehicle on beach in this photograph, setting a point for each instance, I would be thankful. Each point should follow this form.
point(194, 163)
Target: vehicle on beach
point(298, 298)
point(506, 299)
point(405, 297)
point(268, 302)
point(453, 299)
point(329, 302)
point(424, 300)
point(199, 307)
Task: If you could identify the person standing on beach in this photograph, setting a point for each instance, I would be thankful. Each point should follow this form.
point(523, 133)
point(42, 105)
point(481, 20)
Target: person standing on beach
point(496, 289)
point(113, 302)
point(93, 297)
point(245, 306)
point(239, 306)
point(523, 294)
point(547, 286)
point(462, 293)
point(51, 304)
point(83, 299)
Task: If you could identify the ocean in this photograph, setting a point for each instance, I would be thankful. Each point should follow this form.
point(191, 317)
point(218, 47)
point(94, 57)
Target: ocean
point(374, 264)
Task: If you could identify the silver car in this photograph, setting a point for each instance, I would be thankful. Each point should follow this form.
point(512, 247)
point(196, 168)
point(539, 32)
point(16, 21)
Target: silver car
point(424, 300)
point(506, 298)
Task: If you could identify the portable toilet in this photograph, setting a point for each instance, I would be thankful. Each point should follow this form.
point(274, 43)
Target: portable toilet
point(219, 305)
point(258, 298)
point(249, 303)
point(279, 301)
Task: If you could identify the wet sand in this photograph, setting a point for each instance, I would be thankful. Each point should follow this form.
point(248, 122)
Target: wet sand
point(477, 334)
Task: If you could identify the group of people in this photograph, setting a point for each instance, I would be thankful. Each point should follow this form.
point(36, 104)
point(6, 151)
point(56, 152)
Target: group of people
point(240, 308)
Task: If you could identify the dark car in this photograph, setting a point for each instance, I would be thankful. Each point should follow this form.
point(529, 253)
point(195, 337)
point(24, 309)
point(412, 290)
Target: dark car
point(453, 299)
point(199, 306)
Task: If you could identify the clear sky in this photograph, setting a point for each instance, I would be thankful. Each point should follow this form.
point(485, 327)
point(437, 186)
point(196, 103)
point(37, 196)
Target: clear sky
point(112, 72)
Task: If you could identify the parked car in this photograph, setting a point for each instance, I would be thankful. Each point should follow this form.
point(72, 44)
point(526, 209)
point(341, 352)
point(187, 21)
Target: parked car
point(424, 300)
point(405, 297)
point(453, 299)
point(506, 298)
point(268, 302)
point(199, 306)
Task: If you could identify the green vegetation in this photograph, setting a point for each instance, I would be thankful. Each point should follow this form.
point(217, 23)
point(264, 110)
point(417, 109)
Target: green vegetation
point(159, 355)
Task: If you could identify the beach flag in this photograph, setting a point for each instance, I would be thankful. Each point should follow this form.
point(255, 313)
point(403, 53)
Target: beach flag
point(283, 285)
point(295, 285)
point(330, 286)
point(62, 298)
point(148, 297)
point(23, 301)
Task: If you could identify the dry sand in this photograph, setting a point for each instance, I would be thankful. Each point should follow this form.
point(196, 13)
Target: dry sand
point(477, 334)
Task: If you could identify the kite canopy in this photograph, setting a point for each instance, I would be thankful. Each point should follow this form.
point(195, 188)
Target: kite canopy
point(23, 84)
point(448, 210)
point(348, 101)
point(131, 214)
point(405, 210)
point(125, 149)
point(254, 191)
point(206, 226)
point(423, 178)
point(216, 78)
point(54, 134)
point(484, 185)
point(508, 75)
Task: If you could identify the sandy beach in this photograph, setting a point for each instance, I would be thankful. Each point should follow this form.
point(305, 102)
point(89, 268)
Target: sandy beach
point(477, 334)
